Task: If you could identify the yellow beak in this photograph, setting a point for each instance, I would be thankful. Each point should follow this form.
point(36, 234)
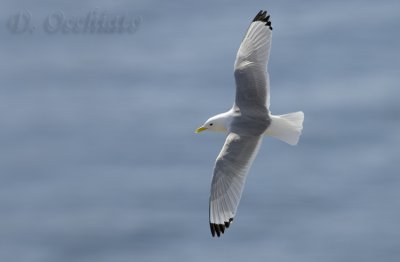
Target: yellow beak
point(200, 129)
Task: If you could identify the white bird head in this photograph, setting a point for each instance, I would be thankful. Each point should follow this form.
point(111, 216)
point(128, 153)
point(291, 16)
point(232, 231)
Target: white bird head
point(218, 123)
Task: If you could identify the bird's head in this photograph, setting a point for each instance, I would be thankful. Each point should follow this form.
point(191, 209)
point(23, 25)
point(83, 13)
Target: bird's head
point(216, 123)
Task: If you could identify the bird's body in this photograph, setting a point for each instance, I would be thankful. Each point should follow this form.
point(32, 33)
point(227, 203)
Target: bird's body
point(246, 123)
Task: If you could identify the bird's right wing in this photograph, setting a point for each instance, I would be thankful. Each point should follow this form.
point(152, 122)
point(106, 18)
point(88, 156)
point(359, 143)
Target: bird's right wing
point(230, 171)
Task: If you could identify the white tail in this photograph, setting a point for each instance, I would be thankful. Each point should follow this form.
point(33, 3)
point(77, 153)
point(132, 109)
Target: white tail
point(286, 127)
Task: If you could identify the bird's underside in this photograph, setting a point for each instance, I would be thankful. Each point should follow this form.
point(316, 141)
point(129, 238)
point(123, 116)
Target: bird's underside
point(247, 128)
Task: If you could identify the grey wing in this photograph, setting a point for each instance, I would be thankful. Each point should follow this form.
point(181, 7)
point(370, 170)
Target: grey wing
point(230, 173)
point(252, 83)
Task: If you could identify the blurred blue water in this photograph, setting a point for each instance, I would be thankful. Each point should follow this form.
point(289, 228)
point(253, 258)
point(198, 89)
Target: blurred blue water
point(98, 160)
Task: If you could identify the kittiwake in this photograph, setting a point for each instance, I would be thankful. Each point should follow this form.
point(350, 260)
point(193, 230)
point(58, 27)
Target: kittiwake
point(246, 123)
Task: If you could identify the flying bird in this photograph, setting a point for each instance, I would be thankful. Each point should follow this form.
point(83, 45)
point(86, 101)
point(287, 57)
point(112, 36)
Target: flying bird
point(246, 123)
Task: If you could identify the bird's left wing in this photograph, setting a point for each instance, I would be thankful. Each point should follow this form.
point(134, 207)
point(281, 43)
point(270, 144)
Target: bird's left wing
point(252, 83)
point(230, 171)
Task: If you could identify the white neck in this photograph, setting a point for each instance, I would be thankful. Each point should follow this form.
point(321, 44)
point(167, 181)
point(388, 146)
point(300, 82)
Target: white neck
point(222, 121)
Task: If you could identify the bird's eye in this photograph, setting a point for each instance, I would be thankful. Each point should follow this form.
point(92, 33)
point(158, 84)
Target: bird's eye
point(211, 124)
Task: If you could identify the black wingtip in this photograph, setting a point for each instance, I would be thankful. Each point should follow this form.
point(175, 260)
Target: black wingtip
point(212, 229)
point(222, 228)
point(262, 16)
point(219, 229)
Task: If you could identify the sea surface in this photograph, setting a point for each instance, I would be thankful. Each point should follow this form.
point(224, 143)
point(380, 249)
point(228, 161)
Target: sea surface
point(99, 160)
